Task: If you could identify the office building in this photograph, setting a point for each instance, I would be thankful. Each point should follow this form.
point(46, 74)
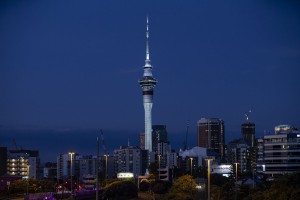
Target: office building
point(281, 153)
point(87, 166)
point(239, 152)
point(64, 166)
point(211, 135)
point(248, 133)
point(159, 135)
point(172, 160)
point(130, 159)
point(25, 163)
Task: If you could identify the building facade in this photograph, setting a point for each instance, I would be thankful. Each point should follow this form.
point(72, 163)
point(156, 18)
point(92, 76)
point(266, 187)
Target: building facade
point(239, 152)
point(130, 159)
point(25, 163)
point(63, 168)
point(281, 154)
point(142, 141)
point(248, 133)
point(211, 135)
point(87, 166)
point(159, 135)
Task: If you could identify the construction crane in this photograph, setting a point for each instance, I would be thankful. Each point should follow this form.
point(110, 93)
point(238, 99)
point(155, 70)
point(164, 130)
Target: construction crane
point(15, 144)
point(17, 147)
point(247, 115)
point(186, 136)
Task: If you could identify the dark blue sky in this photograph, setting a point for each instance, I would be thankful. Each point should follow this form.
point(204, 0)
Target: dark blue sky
point(72, 67)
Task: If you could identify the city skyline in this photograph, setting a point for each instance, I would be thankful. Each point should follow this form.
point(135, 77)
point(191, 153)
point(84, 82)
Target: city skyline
point(65, 67)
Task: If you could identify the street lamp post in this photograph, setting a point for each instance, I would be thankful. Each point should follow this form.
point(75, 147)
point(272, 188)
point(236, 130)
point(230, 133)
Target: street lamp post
point(28, 170)
point(159, 166)
point(236, 171)
point(8, 184)
point(71, 170)
point(97, 171)
point(106, 175)
point(191, 166)
point(208, 177)
point(236, 176)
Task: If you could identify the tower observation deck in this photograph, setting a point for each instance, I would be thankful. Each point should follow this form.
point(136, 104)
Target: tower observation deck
point(148, 83)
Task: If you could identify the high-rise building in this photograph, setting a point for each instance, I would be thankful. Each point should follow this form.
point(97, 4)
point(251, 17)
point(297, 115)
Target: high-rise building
point(87, 166)
point(130, 159)
point(63, 169)
point(239, 152)
point(25, 163)
point(248, 133)
point(148, 83)
point(64, 166)
point(172, 159)
point(142, 141)
point(211, 135)
point(159, 135)
point(3, 160)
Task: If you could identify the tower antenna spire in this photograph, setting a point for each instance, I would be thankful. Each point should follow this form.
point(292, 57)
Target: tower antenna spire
point(147, 42)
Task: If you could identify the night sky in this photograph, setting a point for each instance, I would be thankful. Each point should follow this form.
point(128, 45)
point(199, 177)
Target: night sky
point(70, 68)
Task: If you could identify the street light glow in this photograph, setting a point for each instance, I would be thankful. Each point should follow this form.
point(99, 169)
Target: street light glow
point(71, 169)
point(208, 177)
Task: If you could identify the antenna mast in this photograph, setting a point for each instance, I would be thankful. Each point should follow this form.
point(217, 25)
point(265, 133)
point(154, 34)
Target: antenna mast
point(186, 136)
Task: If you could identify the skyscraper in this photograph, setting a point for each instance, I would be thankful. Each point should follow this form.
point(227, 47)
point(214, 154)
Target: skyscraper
point(130, 159)
point(211, 135)
point(148, 83)
point(159, 135)
point(248, 133)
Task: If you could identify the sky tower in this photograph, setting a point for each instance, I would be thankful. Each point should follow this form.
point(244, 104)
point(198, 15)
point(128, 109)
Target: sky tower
point(148, 83)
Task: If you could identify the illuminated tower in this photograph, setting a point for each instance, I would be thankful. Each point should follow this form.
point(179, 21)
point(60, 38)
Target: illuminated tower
point(148, 83)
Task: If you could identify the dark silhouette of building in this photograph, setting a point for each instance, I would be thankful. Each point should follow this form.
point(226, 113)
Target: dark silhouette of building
point(211, 135)
point(3, 160)
point(50, 170)
point(248, 133)
point(142, 141)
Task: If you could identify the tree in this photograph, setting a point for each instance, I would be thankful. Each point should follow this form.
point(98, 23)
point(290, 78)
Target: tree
point(160, 187)
point(144, 186)
point(218, 179)
point(215, 192)
point(153, 169)
point(184, 188)
point(120, 190)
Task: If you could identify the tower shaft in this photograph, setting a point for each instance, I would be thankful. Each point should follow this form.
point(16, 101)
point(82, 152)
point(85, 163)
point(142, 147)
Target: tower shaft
point(148, 126)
